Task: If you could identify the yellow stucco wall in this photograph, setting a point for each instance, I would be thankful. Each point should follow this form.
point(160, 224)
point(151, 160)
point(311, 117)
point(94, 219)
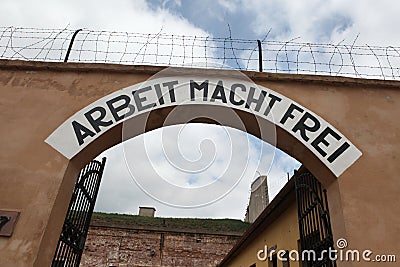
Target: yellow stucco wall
point(283, 232)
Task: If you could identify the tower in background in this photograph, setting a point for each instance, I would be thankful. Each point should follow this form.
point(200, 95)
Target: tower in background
point(258, 199)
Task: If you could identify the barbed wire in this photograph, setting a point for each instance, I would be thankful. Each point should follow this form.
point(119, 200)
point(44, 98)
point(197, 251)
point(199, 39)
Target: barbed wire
point(293, 56)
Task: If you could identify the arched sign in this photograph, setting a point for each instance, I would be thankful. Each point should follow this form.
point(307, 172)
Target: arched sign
point(326, 142)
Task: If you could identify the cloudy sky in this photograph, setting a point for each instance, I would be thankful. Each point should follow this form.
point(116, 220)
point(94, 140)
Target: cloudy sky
point(225, 158)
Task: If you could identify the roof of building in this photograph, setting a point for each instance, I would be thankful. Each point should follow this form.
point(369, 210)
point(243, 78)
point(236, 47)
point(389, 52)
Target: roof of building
point(150, 208)
point(186, 225)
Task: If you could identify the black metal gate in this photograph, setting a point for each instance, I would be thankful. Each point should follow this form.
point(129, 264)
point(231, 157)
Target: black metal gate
point(76, 225)
point(314, 221)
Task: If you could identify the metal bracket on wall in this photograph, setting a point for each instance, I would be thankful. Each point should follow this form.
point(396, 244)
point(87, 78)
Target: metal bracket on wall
point(7, 222)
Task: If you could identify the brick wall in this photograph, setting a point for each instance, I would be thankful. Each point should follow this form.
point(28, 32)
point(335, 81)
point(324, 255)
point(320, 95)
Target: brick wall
point(126, 247)
point(151, 246)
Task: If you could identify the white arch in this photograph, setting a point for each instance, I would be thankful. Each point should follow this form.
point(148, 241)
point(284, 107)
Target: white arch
point(322, 139)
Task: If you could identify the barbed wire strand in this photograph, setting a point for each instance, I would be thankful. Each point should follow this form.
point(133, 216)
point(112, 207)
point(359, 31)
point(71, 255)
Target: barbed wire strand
point(81, 47)
point(280, 49)
point(233, 51)
point(333, 54)
point(194, 41)
point(379, 62)
point(256, 46)
point(387, 57)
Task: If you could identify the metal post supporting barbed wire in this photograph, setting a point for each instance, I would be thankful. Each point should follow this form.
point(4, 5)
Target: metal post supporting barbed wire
point(70, 45)
point(260, 60)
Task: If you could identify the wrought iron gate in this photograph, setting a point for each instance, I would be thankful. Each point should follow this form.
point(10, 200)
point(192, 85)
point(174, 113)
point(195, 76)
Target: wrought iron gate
point(76, 225)
point(314, 220)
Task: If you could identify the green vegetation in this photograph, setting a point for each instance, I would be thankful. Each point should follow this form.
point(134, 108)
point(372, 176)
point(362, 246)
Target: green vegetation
point(188, 224)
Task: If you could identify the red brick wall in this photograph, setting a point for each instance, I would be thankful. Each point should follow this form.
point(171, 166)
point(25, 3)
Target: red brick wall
point(128, 247)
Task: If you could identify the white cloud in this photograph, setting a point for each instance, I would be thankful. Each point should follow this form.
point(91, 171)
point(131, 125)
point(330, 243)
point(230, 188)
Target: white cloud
point(324, 21)
point(119, 192)
point(123, 15)
point(229, 5)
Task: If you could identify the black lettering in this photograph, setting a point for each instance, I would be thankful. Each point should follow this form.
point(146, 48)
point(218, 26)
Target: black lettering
point(233, 93)
point(303, 127)
point(271, 103)
point(288, 113)
point(97, 122)
point(219, 93)
point(321, 139)
point(202, 86)
point(171, 89)
point(126, 104)
point(258, 101)
point(139, 100)
point(159, 94)
point(81, 132)
point(338, 152)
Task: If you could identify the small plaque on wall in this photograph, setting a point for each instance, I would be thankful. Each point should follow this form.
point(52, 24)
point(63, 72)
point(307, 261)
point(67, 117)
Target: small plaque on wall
point(7, 222)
